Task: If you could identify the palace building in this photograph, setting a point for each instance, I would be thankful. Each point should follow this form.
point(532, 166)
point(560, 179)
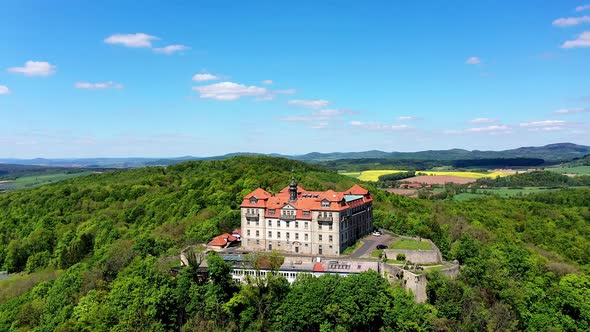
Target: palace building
point(305, 222)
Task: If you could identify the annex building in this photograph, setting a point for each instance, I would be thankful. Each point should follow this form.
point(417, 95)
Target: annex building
point(298, 221)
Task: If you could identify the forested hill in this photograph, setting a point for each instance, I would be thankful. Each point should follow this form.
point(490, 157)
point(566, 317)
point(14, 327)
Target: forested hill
point(94, 255)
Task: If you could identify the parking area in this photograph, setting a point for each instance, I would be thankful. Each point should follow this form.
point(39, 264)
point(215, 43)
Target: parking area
point(369, 244)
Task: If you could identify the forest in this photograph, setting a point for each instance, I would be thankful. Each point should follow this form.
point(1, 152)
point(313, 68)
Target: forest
point(95, 253)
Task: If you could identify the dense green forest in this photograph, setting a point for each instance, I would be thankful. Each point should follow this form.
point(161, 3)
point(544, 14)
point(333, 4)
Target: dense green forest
point(95, 253)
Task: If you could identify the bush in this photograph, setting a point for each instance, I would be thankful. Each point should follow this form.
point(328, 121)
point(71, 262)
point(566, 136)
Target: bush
point(400, 257)
point(38, 261)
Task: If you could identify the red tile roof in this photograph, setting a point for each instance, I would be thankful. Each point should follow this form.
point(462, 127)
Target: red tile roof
point(306, 200)
point(222, 240)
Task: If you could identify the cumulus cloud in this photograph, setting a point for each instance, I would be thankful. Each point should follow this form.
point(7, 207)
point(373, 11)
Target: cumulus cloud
point(571, 111)
point(483, 120)
point(583, 40)
point(406, 118)
point(320, 115)
point(4, 90)
point(98, 85)
point(228, 91)
point(571, 21)
point(544, 123)
point(473, 60)
point(379, 126)
point(267, 82)
point(493, 128)
point(285, 92)
point(34, 68)
point(272, 94)
point(171, 49)
point(582, 8)
point(131, 40)
point(310, 104)
point(205, 77)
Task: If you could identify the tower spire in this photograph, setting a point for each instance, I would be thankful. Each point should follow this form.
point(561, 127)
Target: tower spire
point(293, 190)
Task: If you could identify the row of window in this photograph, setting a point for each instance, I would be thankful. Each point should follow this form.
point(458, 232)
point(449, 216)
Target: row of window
point(288, 236)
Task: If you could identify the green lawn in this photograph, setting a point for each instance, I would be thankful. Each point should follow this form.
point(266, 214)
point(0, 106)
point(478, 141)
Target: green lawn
point(407, 244)
point(352, 174)
point(503, 192)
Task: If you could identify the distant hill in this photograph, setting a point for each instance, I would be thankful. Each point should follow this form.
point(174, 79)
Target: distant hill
point(559, 152)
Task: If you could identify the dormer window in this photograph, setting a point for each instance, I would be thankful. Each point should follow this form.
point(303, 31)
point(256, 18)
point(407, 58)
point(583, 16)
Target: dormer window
point(253, 200)
point(271, 211)
point(325, 203)
point(306, 213)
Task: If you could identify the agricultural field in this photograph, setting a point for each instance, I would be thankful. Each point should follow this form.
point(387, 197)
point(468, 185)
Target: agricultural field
point(37, 180)
point(504, 192)
point(373, 175)
point(437, 179)
point(577, 170)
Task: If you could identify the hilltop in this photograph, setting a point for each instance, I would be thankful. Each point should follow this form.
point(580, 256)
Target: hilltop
point(95, 254)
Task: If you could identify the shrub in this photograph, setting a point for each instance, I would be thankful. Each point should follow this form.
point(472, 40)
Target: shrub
point(400, 257)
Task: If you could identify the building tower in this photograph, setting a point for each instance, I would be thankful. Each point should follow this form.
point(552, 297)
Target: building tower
point(293, 190)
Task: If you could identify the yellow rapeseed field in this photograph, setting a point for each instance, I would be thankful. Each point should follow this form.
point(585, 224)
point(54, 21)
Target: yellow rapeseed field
point(375, 174)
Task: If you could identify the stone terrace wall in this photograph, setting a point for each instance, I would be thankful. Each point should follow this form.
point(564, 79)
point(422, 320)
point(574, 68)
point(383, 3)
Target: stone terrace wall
point(417, 256)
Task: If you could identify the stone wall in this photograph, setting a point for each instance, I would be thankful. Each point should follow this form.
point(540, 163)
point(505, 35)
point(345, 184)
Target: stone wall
point(410, 281)
point(415, 256)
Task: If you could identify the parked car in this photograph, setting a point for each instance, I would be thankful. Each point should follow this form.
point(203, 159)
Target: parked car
point(381, 246)
point(377, 233)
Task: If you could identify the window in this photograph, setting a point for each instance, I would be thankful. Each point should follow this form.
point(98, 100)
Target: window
point(286, 224)
point(306, 213)
point(271, 211)
point(296, 236)
point(269, 234)
point(306, 237)
point(278, 235)
point(278, 223)
point(330, 238)
point(269, 223)
point(297, 224)
point(330, 228)
point(257, 233)
point(253, 200)
point(287, 235)
point(325, 203)
point(248, 232)
point(257, 241)
point(306, 224)
point(320, 237)
point(320, 226)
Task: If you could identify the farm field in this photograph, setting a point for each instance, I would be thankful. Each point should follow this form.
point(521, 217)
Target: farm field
point(437, 179)
point(37, 180)
point(504, 192)
point(577, 170)
point(374, 175)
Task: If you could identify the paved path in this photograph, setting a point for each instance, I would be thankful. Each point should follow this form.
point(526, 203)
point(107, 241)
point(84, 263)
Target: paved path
point(369, 244)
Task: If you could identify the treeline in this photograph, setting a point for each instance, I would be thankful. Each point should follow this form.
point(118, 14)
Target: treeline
point(359, 165)
point(536, 179)
point(498, 162)
point(11, 172)
point(102, 247)
point(397, 176)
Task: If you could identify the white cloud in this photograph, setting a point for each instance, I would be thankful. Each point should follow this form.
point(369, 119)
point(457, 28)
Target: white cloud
point(583, 40)
point(228, 91)
point(171, 49)
point(493, 128)
point(320, 125)
point(131, 40)
point(379, 126)
point(310, 104)
point(406, 118)
point(473, 60)
point(320, 115)
point(205, 77)
point(34, 68)
point(544, 123)
point(571, 21)
point(582, 8)
point(267, 82)
point(285, 92)
point(571, 111)
point(98, 85)
point(4, 90)
point(272, 94)
point(483, 120)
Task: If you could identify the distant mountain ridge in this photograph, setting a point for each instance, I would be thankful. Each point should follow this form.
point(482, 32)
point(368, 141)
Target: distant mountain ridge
point(552, 152)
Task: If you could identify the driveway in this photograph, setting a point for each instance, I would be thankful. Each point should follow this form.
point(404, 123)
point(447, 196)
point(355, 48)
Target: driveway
point(369, 244)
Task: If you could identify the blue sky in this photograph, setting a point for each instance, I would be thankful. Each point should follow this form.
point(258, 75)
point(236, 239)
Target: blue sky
point(173, 78)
